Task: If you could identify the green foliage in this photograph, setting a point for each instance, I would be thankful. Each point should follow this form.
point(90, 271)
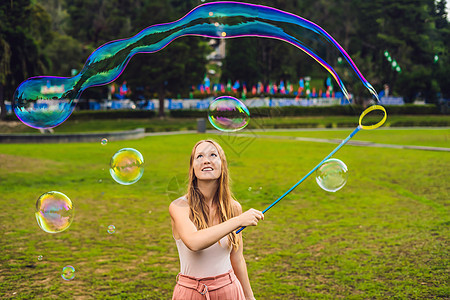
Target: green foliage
point(24, 31)
point(172, 70)
point(112, 114)
point(51, 37)
point(64, 53)
point(412, 33)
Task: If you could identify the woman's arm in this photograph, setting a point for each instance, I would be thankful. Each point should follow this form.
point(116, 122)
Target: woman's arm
point(240, 267)
point(197, 240)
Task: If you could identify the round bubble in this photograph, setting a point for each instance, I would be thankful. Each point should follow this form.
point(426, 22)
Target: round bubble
point(40, 257)
point(227, 113)
point(127, 166)
point(332, 175)
point(45, 102)
point(54, 212)
point(111, 229)
point(68, 273)
point(104, 141)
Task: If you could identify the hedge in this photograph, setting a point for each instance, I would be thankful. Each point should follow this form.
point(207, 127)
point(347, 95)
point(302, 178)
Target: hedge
point(285, 111)
point(337, 110)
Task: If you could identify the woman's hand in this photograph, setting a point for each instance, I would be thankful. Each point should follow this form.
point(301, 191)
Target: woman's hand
point(251, 217)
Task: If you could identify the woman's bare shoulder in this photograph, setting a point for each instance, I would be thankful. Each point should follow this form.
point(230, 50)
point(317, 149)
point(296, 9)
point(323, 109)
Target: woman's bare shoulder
point(179, 203)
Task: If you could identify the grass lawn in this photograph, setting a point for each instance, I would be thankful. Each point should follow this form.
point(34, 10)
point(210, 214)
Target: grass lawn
point(176, 124)
point(435, 137)
point(384, 235)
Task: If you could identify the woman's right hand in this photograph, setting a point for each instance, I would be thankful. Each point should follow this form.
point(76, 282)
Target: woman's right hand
point(251, 217)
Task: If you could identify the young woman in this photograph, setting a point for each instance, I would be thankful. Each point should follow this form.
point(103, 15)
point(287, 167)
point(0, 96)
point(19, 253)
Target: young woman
point(203, 225)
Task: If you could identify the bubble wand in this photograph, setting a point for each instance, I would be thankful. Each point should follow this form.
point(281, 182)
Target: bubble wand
point(358, 128)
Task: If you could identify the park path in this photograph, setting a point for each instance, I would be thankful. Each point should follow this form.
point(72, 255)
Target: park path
point(255, 134)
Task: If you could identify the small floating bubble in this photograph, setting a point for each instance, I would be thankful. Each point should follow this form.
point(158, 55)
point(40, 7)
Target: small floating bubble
point(111, 229)
point(68, 273)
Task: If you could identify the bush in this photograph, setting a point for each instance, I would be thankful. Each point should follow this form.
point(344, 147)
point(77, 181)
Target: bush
point(429, 123)
point(337, 110)
point(112, 114)
point(187, 113)
point(412, 109)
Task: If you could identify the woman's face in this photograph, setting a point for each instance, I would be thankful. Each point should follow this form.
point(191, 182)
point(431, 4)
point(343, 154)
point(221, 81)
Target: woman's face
point(207, 164)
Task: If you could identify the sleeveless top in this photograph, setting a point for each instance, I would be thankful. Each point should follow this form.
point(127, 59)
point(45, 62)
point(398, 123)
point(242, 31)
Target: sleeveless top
point(211, 261)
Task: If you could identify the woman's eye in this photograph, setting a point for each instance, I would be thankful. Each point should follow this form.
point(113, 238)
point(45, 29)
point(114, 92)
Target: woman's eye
point(199, 156)
point(213, 154)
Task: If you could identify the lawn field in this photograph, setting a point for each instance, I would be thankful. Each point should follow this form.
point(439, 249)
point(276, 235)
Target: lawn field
point(384, 235)
point(176, 124)
point(430, 137)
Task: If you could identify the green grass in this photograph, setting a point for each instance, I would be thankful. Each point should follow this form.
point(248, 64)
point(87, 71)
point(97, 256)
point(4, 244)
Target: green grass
point(434, 137)
point(384, 235)
point(175, 124)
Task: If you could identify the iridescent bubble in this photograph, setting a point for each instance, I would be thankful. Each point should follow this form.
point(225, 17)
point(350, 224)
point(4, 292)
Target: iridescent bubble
point(45, 102)
point(111, 229)
point(68, 273)
point(332, 175)
point(40, 257)
point(104, 141)
point(234, 20)
point(227, 113)
point(127, 166)
point(54, 212)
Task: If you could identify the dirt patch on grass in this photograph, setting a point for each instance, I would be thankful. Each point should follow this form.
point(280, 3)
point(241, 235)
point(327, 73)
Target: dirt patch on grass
point(12, 127)
point(14, 163)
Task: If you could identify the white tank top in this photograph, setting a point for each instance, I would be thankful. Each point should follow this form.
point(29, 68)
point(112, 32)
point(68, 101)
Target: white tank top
point(212, 261)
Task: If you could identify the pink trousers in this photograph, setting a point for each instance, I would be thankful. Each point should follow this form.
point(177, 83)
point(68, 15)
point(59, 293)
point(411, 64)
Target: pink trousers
point(221, 287)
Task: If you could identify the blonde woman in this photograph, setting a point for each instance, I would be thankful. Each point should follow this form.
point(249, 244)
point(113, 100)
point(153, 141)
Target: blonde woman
point(203, 225)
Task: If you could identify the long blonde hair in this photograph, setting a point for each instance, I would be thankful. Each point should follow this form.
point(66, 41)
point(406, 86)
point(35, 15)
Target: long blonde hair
point(223, 198)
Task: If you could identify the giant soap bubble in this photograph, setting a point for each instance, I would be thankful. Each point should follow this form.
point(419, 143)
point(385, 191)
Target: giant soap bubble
point(44, 102)
point(54, 212)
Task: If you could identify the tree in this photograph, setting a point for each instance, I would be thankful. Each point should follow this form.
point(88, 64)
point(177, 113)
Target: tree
point(407, 31)
point(262, 59)
point(171, 70)
point(23, 32)
point(441, 61)
point(168, 71)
